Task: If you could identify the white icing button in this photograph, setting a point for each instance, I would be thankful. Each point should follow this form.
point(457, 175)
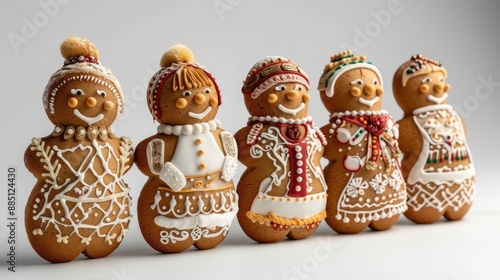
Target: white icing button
point(297, 188)
point(299, 163)
point(298, 148)
point(298, 156)
point(299, 179)
point(299, 170)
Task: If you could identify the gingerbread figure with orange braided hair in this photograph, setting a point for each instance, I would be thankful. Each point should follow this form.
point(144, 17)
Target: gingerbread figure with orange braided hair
point(189, 198)
point(437, 164)
point(365, 184)
point(282, 192)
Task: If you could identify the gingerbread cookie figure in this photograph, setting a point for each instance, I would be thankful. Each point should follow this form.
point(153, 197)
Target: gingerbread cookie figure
point(365, 184)
point(80, 203)
point(189, 198)
point(437, 164)
point(282, 192)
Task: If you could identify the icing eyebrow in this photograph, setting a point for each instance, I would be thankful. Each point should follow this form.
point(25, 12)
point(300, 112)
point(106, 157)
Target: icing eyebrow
point(77, 91)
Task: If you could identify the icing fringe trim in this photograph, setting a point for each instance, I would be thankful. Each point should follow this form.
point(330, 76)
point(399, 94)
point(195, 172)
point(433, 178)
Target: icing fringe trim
point(373, 215)
point(272, 218)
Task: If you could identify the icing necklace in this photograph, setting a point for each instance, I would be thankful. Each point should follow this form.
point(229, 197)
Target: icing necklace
point(80, 133)
point(188, 129)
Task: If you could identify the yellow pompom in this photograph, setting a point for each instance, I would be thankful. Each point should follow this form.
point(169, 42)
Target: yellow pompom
point(75, 46)
point(176, 53)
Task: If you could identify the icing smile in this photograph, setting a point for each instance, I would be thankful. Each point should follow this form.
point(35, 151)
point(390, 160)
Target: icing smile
point(86, 119)
point(368, 103)
point(200, 115)
point(291, 111)
point(437, 100)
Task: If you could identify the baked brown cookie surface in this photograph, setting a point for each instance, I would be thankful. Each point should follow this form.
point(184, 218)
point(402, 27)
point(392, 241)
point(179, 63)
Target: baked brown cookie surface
point(282, 192)
point(437, 163)
point(189, 197)
point(365, 184)
point(80, 203)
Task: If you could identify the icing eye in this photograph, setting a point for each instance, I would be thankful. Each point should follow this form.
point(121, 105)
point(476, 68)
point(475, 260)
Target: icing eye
point(77, 91)
point(426, 80)
point(357, 82)
point(280, 88)
point(375, 81)
point(298, 87)
point(207, 90)
point(440, 79)
point(186, 93)
point(101, 93)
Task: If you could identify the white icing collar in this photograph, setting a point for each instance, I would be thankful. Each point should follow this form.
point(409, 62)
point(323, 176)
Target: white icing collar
point(188, 129)
point(281, 120)
point(432, 108)
point(358, 113)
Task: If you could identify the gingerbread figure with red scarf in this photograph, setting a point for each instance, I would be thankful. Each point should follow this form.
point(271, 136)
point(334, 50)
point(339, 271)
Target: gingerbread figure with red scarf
point(189, 198)
point(365, 184)
point(283, 191)
point(437, 164)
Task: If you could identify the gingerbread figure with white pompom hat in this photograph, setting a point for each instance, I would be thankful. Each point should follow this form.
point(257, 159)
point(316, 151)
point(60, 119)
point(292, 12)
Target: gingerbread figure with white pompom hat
point(80, 203)
point(189, 198)
point(282, 192)
point(437, 163)
point(365, 184)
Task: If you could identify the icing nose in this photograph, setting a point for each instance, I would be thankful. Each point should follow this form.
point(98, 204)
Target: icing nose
point(292, 95)
point(199, 98)
point(91, 101)
point(369, 89)
point(439, 87)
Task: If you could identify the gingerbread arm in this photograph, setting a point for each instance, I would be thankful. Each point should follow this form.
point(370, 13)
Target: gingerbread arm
point(243, 139)
point(410, 140)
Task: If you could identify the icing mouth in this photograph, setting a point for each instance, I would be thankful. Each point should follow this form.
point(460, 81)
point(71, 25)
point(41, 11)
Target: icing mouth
point(86, 119)
point(437, 100)
point(291, 111)
point(368, 103)
point(200, 115)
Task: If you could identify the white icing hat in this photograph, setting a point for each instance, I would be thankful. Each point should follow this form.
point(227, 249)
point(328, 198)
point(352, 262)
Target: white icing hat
point(82, 63)
point(339, 64)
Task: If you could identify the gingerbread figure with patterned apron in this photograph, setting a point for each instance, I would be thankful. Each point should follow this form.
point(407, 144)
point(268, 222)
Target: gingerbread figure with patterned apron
point(189, 198)
point(437, 164)
point(282, 192)
point(365, 184)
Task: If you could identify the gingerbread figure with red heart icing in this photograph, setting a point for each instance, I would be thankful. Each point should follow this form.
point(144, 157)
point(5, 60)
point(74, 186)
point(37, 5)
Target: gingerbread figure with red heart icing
point(80, 203)
point(365, 184)
point(189, 198)
point(437, 163)
point(283, 191)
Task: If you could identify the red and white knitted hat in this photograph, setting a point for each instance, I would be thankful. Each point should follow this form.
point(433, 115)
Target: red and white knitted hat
point(272, 70)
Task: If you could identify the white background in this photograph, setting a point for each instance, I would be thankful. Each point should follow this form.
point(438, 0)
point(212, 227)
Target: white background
point(228, 37)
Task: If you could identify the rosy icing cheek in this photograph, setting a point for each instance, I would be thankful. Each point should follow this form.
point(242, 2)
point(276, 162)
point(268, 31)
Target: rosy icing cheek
point(355, 91)
point(72, 102)
point(272, 98)
point(181, 103)
point(213, 101)
point(424, 88)
point(108, 105)
point(379, 91)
